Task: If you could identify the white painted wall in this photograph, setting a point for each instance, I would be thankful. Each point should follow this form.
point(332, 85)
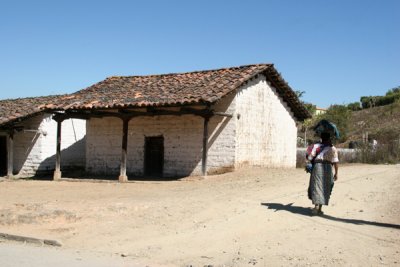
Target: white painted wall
point(103, 145)
point(73, 137)
point(35, 146)
point(221, 141)
point(183, 143)
point(266, 129)
point(262, 132)
point(27, 155)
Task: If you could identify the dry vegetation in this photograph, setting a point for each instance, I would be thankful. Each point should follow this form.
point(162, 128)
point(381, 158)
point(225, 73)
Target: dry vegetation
point(381, 123)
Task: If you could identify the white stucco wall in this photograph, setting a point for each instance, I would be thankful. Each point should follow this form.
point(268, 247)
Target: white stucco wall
point(27, 155)
point(221, 141)
point(266, 128)
point(183, 143)
point(103, 145)
point(73, 137)
point(261, 132)
point(35, 146)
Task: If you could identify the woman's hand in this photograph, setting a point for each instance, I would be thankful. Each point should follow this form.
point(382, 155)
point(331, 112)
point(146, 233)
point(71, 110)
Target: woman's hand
point(335, 177)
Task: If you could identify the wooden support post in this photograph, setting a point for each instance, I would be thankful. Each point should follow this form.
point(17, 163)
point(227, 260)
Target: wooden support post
point(205, 149)
point(122, 176)
point(10, 154)
point(57, 171)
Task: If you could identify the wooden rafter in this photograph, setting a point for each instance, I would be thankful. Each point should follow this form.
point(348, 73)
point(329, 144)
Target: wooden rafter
point(128, 113)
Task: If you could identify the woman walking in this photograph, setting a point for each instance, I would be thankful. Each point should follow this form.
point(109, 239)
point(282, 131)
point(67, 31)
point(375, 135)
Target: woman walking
point(323, 156)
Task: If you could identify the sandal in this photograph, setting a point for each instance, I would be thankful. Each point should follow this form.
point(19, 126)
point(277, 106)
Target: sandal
point(314, 211)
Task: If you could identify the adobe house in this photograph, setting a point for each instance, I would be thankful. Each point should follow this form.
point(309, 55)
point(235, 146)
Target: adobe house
point(28, 134)
point(181, 124)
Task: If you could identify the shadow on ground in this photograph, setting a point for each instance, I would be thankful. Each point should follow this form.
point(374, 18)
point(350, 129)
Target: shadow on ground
point(79, 174)
point(307, 212)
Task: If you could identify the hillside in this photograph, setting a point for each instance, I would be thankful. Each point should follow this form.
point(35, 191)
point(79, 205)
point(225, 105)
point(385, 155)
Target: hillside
point(381, 123)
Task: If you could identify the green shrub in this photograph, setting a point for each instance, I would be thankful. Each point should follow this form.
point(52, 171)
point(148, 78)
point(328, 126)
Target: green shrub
point(310, 107)
point(368, 101)
point(372, 101)
point(354, 106)
point(387, 99)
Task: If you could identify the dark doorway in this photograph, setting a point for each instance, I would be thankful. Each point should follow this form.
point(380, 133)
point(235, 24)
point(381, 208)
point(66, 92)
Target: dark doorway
point(154, 156)
point(3, 155)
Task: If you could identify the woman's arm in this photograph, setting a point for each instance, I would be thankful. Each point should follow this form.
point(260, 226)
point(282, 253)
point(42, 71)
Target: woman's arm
point(336, 165)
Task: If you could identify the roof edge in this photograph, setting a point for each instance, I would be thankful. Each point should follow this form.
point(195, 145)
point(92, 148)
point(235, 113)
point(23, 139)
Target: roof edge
point(190, 72)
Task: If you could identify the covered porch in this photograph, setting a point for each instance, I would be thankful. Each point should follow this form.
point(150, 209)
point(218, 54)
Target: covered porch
point(128, 118)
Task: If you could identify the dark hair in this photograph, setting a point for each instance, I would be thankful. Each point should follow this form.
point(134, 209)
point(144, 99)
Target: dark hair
point(325, 136)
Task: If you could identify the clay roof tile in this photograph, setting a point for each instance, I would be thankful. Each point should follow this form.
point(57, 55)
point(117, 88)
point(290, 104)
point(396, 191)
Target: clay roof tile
point(171, 89)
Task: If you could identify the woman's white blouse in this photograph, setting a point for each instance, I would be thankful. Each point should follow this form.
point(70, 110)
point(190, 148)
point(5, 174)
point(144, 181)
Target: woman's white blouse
point(328, 153)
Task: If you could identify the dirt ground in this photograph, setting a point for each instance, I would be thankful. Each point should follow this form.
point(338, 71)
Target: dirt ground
point(253, 217)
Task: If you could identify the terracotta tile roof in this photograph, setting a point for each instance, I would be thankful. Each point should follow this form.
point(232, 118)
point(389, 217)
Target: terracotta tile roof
point(199, 87)
point(15, 110)
point(176, 89)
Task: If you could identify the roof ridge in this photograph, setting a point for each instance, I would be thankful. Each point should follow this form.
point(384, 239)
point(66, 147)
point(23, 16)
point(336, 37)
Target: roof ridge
point(191, 72)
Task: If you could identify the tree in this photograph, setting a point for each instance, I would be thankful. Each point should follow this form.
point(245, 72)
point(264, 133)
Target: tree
point(393, 91)
point(300, 94)
point(310, 107)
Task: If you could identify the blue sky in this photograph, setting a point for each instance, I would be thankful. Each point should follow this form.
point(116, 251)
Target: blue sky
point(334, 50)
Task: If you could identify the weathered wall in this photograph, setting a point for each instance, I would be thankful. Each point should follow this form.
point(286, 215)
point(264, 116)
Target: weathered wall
point(35, 146)
point(262, 132)
point(266, 129)
point(103, 145)
point(182, 144)
point(221, 141)
point(73, 138)
point(183, 141)
point(27, 155)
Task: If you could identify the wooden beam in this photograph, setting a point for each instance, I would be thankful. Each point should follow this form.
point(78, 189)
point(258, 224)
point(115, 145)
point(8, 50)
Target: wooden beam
point(205, 149)
point(57, 171)
point(128, 114)
point(122, 176)
point(84, 115)
point(10, 154)
point(163, 112)
point(223, 114)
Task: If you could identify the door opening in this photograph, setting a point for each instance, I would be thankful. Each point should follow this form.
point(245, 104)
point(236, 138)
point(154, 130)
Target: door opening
point(154, 156)
point(3, 155)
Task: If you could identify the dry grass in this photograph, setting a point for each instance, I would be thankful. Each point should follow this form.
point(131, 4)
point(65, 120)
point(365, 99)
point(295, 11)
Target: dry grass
point(379, 123)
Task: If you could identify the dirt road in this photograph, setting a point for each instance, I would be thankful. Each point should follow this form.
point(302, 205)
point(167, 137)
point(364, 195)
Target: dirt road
point(254, 217)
